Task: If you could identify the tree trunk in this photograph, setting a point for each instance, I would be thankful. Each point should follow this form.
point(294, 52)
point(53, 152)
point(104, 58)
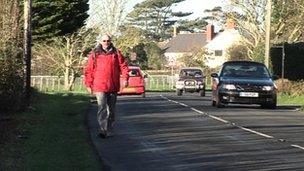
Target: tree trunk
point(71, 80)
point(27, 52)
point(66, 78)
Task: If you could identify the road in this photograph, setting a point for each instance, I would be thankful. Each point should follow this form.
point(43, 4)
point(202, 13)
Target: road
point(168, 132)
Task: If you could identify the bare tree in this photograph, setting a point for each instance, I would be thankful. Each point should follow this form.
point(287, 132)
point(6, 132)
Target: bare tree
point(194, 59)
point(249, 16)
point(64, 56)
point(106, 15)
point(288, 24)
point(9, 23)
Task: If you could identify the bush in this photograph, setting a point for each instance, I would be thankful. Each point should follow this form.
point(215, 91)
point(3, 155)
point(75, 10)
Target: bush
point(11, 85)
point(292, 88)
point(238, 52)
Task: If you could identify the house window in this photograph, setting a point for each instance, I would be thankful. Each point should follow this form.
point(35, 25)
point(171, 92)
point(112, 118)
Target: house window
point(218, 53)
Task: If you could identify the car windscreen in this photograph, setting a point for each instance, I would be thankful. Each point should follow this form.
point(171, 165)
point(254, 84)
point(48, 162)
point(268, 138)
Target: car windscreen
point(245, 70)
point(191, 73)
point(134, 73)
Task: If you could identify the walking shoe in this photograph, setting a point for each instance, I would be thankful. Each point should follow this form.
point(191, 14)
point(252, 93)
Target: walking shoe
point(102, 134)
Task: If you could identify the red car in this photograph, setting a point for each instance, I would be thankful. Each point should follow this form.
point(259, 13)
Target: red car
point(136, 83)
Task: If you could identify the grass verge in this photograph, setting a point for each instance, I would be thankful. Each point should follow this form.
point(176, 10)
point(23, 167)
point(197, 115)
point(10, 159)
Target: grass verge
point(50, 137)
point(291, 100)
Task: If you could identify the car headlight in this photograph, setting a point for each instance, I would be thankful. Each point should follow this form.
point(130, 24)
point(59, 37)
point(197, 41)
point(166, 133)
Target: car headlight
point(267, 88)
point(229, 86)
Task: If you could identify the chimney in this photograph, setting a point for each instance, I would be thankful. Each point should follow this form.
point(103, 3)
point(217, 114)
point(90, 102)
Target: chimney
point(230, 24)
point(210, 32)
point(174, 31)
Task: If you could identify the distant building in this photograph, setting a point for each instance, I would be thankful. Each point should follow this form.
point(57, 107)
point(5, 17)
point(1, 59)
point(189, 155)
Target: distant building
point(216, 44)
point(217, 48)
point(183, 43)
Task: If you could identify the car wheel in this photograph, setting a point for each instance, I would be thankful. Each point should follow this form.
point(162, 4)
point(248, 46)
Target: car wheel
point(202, 93)
point(143, 95)
point(270, 105)
point(179, 92)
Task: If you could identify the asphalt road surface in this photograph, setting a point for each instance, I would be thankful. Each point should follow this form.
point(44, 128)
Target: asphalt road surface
point(168, 132)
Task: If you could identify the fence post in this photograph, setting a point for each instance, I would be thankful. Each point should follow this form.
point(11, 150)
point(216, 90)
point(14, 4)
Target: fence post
point(150, 83)
point(34, 82)
point(58, 83)
point(41, 82)
point(163, 83)
point(53, 84)
point(172, 83)
point(47, 83)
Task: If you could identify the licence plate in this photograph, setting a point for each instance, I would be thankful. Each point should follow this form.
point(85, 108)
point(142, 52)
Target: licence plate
point(128, 89)
point(190, 87)
point(249, 94)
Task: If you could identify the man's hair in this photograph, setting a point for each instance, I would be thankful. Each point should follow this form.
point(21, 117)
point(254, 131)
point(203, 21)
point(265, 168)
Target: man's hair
point(100, 37)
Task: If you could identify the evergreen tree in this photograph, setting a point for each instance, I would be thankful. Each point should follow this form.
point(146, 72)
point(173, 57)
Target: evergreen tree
point(192, 26)
point(216, 16)
point(156, 17)
point(58, 17)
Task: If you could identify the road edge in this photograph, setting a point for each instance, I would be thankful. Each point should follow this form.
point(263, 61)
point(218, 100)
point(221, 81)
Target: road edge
point(90, 140)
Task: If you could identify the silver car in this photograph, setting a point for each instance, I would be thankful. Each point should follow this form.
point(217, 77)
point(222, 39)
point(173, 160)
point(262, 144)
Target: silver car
point(191, 80)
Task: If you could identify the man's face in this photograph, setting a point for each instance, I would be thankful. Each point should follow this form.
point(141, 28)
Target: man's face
point(105, 41)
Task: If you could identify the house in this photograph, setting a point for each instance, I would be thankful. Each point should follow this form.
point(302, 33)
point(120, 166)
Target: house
point(218, 47)
point(184, 43)
point(215, 43)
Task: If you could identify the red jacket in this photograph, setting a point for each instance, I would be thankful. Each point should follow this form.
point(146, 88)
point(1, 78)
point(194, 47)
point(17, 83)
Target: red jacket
point(102, 74)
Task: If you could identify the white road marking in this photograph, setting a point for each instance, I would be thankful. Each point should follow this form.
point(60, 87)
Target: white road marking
point(231, 123)
point(219, 119)
point(198, 111)
point(183, 104)
point(256, 132)
point(297, 146)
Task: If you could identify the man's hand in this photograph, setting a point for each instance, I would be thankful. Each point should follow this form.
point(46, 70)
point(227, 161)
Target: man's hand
point(126, 83)
point(89, 89)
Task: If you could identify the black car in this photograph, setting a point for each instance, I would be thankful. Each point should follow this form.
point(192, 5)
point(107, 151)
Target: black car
point(243, 82)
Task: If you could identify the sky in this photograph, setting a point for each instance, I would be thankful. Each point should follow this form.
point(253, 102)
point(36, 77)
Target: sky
point(195, 6)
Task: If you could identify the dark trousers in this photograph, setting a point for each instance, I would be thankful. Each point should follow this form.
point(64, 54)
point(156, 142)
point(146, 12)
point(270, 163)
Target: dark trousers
point(106, 110)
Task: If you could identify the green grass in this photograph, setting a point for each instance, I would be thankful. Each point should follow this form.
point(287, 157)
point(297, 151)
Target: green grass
point(52, 136)
point(291, 100)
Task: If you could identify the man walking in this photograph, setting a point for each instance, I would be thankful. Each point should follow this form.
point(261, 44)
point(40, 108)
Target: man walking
point(102, 77)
